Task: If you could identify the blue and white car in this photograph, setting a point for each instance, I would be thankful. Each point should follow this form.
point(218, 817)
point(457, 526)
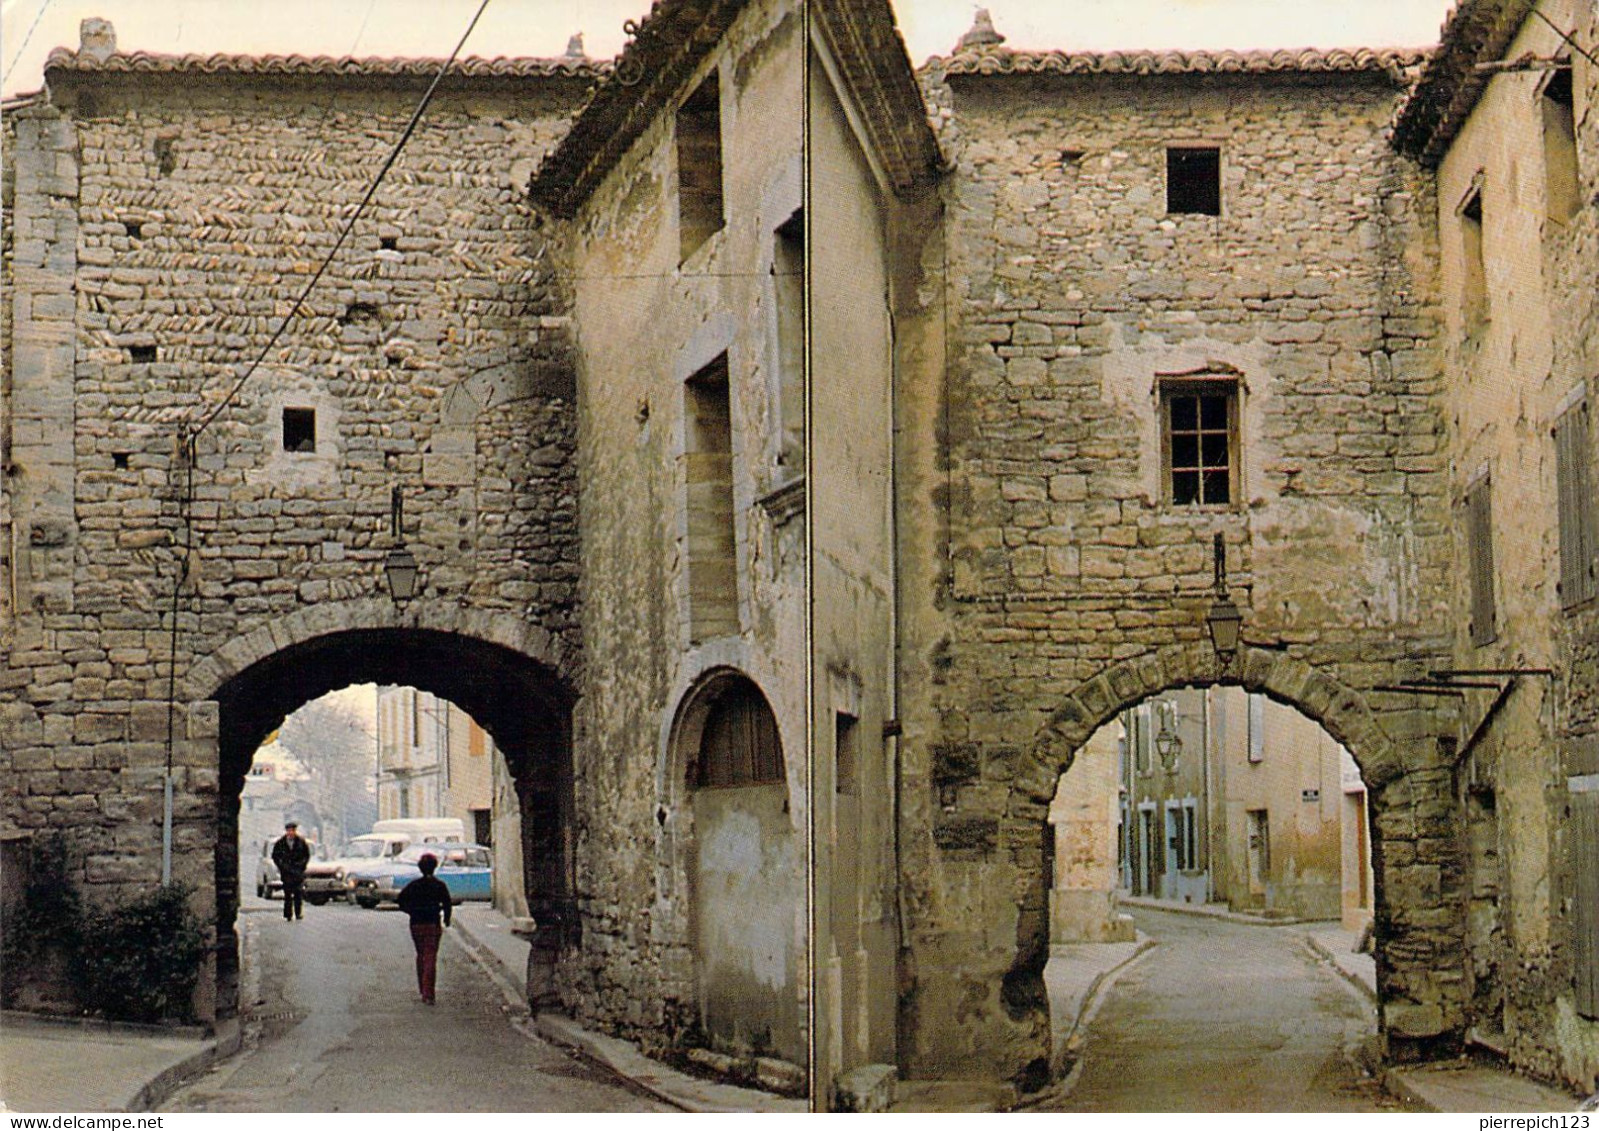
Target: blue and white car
point(466, 869)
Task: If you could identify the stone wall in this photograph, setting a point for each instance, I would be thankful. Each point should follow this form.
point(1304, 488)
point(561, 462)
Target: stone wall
point(1571, 256)
point(1071, 293)
point(164, 224)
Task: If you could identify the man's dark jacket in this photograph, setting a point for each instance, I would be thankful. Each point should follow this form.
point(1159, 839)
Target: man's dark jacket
point(424, 898)
point(291, 857)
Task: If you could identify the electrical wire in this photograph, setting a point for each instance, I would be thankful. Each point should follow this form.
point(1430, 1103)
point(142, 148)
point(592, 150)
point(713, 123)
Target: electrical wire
point(1565, 35)
point(15, 59)
point(362, 32)
point(344, 233)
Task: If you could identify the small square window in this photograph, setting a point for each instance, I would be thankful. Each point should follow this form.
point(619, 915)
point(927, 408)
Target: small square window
point(1193, 180)
point(1200, 423)
point(141, 355)
point(299, 429)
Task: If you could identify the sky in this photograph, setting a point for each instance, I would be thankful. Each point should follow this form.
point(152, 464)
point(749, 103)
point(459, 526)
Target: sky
point(29, 29)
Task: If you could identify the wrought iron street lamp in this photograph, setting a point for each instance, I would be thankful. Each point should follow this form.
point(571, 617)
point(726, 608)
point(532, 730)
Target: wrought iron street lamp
point(1168, 744)
point(399, 568)
point(1224, 618)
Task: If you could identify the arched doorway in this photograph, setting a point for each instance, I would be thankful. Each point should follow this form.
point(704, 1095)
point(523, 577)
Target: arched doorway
point(977, 1006)
point(1404, 755)
point(519, 700)
point(744, 864)
point(1230, 832)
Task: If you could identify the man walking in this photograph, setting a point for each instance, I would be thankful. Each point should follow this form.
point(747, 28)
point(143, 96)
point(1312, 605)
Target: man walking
point(292, 854)
point(423, 899)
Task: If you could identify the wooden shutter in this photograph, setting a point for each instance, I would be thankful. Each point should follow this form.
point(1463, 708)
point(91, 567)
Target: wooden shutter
point(1577, 534)
point(740, 744)
point(1582, 832)
point(1479, 548)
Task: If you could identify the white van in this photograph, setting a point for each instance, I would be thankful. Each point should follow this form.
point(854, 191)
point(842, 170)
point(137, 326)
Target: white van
point(329, 879)
point(426, 830)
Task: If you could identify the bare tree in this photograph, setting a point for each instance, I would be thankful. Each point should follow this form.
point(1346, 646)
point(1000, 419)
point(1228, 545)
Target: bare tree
point(337, 747)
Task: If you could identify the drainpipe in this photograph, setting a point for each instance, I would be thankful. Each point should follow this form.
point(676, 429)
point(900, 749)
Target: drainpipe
point(816, 1093)
point(1204, 766)
point(166, 830)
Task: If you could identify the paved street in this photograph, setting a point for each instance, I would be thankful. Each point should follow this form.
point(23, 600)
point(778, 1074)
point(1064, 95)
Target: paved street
point(1224, 1016)
point(341, 1029)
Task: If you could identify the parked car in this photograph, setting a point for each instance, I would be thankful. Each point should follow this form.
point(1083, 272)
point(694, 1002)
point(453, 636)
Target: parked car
point(330, 879)
point(466, 869)
point(268, 884)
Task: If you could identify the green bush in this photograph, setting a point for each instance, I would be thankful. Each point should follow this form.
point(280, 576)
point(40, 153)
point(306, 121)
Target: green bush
point(141, 958)
point(138, 960)
point(45, 928)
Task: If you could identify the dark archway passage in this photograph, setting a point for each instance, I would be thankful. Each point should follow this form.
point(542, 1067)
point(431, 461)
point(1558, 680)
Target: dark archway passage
point(1248, 819)
point(975, 958)
point(521, 702)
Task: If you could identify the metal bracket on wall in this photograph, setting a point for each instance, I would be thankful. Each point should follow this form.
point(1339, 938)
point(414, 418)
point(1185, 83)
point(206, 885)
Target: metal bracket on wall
point(1457, 681)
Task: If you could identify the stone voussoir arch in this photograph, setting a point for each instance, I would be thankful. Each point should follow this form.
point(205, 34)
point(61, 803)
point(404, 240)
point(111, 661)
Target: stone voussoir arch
point(502, 627)
point(1315, 690)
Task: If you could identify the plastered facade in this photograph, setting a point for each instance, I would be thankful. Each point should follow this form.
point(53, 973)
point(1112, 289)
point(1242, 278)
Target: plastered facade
point(1515, 367)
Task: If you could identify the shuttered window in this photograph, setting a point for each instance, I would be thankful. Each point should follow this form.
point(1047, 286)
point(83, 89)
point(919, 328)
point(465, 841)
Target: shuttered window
point(1480, 554)
point(1582, 837)
point(1579, 541)
point(739, 745)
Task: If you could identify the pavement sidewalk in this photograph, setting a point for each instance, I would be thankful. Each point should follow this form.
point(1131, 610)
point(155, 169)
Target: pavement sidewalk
point(1467, 1085)
point(488, 938)
point(62, 1065)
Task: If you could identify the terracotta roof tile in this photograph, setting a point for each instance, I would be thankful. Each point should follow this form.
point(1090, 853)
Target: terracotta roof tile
point(1477, 31)
point(1002, 61)
point(63, 59)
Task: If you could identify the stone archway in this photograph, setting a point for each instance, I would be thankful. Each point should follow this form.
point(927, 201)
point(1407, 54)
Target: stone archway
point(735, 845)
point(513, 678)
point(1403, 755)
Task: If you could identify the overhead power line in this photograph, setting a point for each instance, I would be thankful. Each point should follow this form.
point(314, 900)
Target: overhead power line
point(344, 233)
point(18, 56)
point(1567, 36)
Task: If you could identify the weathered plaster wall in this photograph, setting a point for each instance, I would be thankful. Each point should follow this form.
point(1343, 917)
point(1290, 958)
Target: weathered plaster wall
point(748, 878)
point(1069, 292)
point(1513, 373)
point(1082, 899)
point(852, 581)
point(646, 321)
point(1306, 843)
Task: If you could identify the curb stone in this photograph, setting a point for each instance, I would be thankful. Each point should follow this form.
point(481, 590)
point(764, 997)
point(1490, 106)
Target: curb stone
point(665, 1083)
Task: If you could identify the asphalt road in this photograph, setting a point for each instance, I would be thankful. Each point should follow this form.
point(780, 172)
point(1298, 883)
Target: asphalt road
point(1223, 1016)
point(335, 1024)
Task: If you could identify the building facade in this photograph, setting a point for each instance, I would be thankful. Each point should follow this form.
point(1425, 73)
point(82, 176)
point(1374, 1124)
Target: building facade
point(806, 468)
point(1504, 120)
point(433, 760)
point(1234, 799)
